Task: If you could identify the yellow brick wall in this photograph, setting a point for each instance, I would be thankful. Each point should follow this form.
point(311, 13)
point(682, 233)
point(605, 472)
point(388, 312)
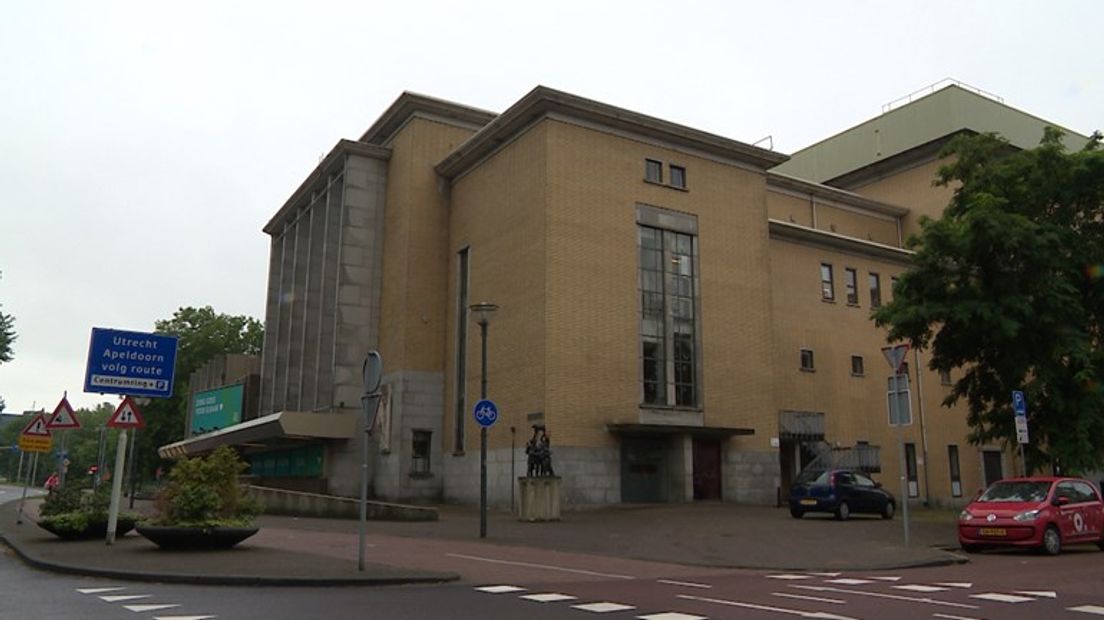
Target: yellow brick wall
point(858, 225)
point(911, 188)
point(789, 208)
point(414, 263)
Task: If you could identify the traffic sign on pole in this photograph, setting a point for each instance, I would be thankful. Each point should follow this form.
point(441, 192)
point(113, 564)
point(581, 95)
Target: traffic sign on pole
point(63, 416)
point(36, 437)
point(132, 363)
point(895, 355)
point(126, 416)
point(486, 413)
point(1019, 408)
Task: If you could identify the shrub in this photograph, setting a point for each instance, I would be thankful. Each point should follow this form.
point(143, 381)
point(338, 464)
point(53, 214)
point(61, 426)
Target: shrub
point(204, 492)
point(76, 511)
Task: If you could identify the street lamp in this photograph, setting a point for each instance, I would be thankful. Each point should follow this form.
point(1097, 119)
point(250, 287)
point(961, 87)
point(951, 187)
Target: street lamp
point(483, 312)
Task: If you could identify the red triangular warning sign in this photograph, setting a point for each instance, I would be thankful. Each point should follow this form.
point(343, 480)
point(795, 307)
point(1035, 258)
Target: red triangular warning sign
point(126, 416)
point(37, 427)
point(63, 416)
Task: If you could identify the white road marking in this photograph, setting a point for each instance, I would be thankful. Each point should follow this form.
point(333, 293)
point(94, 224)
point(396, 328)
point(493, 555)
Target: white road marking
point(500, 589)
point(145, 608)
point(1088, 609)
point(99, 590)
point(896, 597)
point(1037, 593)
point(184, 617)
point(885, 578)
point(1002, 598)
point(671, 615)
point(124, 597)
point(549, 597)
point(789, 577)
point(826, 574)
point(604, 607)
point(540, 566)
point(950, 617)
point(820, 615)
point(916, 587)
point(688, 584)
point(819, 599)
point(848, 582)
point(955, 584)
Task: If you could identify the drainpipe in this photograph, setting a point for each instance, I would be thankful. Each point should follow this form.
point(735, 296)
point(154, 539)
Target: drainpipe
point(923, 427)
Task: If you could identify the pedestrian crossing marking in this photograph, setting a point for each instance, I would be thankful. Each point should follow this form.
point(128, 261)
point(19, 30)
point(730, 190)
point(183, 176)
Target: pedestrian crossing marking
point(1038, 593)
point(915, 587)
point(99, 590)
point(789, 577)
point(848, 582)
point(124, 597)
point(500, 589)
point(1096, 610)
point(671, 615)
point(549, 597)
point(603, 607)
point(955, 584)
point(145, 608)
point(1002, 598)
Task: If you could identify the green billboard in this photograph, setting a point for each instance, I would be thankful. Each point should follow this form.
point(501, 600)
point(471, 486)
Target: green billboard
point(215, 409)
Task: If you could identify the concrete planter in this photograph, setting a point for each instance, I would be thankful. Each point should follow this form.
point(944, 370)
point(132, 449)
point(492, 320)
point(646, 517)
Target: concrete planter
point(195, 538)
point(95, 529)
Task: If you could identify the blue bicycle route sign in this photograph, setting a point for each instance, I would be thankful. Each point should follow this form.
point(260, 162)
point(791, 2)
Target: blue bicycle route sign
point(486, 413)
point(133, 363)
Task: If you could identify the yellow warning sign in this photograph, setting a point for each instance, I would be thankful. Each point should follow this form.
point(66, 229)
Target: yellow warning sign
point(35, 443)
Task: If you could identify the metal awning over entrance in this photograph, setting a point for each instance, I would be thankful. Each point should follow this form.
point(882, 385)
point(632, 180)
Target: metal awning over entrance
point(801, 425)
point(269, 428)
point(660, 430)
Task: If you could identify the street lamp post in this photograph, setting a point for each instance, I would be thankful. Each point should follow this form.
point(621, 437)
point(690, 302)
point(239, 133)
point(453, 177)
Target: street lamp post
point(483, 311)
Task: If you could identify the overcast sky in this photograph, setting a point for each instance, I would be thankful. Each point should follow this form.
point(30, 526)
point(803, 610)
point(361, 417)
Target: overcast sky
point(144, 145)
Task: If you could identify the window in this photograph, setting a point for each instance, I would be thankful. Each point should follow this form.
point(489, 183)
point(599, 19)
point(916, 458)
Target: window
point(460, 413)
point(807, 360)
point(875, 290)
point(910, 469)
point(893, 285)
point(419, 451)
point(857, 366)
point(850, 280)
point(827, 289)
point(653, 171)
point(668, 332)
point(945, 377)
point(956, 475)
point(678, 176)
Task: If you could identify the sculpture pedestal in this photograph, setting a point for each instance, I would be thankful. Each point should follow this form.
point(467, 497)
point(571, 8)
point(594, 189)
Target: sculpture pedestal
point(540, 498)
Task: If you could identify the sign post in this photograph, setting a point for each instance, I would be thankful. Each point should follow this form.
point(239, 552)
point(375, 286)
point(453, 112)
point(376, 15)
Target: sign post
point(63, 418)
point(372, 372)
point(126, 416)
point(36, 438)
point(900, 416)
point(1019, 409)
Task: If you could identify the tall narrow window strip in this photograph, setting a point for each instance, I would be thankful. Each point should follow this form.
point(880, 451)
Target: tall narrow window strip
point(851, 282)
point(956, 475)
point(875, 290)
point(910, 470)
point(653, 170)
point(419, 451)
point(461, 350)
point(827, 288)
point(668, 322)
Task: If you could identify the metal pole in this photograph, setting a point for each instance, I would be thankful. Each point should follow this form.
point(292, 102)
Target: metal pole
point(99, 458)
point(1023, 460)
point(513, 461)
point(895, 406)
point(31, 475)
point(116, 486)
point(61, 460)
point(363, 495)
point(923, 426)
point(19, 474)
point(483, 437)
point(130, 467)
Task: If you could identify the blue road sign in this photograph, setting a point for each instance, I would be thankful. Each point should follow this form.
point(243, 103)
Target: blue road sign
point(133, 363)
point(1019, 403)
point(486, 413)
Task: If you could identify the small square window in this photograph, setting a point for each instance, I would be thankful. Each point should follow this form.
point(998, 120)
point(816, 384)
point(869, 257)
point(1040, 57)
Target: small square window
point(653, 170)
point(419, 451)
point(857, 365)
point(807, 359)
point(678, 176)
point(945, 377)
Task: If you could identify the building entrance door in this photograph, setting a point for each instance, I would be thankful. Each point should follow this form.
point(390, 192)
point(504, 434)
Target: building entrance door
point(707, 469)
point(643, 469)
point(991, 463)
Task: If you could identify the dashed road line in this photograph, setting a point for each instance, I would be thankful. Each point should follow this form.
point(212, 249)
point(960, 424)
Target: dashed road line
point(821, 615)
point(789, 577)
point(500, 589)
point(99, 590)
point(1002, 598)
point(184, 617)
point(886, 578)
point(688, 584)
point(955, 584)
point(1037, 593)
point(145, 608)
point(896, 597)
point(603, 607)
point(818, 599)
point(540, 566)
point(118, 598)
point(950, 617)
point(549, 597)
point(1096, 610)
point(849, 582)
point(916, 587)
point(671, 615)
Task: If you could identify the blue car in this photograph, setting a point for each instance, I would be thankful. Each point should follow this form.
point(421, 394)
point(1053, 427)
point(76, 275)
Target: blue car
point(841, 492)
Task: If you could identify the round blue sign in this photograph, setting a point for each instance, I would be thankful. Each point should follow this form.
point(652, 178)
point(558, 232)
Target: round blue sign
point(486, 413)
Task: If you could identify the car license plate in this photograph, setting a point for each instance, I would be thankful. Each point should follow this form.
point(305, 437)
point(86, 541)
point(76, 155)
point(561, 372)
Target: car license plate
point(992, 531)
point(808, 502)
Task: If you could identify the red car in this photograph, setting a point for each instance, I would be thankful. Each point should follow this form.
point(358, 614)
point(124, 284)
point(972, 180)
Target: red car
point(1041, 512)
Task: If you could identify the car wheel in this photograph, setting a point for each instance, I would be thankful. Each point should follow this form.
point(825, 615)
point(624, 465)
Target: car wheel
point(843, 511)
point(796, 513)
point(968, 548)
point(888, 510)
point(1052, 541)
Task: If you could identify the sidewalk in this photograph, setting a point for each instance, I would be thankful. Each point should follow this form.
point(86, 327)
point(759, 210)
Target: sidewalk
point(634, 539)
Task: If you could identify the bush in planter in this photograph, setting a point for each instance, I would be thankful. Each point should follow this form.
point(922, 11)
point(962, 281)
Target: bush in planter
point(75, 511)
point(204, 493)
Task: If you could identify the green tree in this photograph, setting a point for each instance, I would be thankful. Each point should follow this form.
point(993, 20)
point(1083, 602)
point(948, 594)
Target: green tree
point(1006, 288)
point(7, 337)
point(203, 334)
